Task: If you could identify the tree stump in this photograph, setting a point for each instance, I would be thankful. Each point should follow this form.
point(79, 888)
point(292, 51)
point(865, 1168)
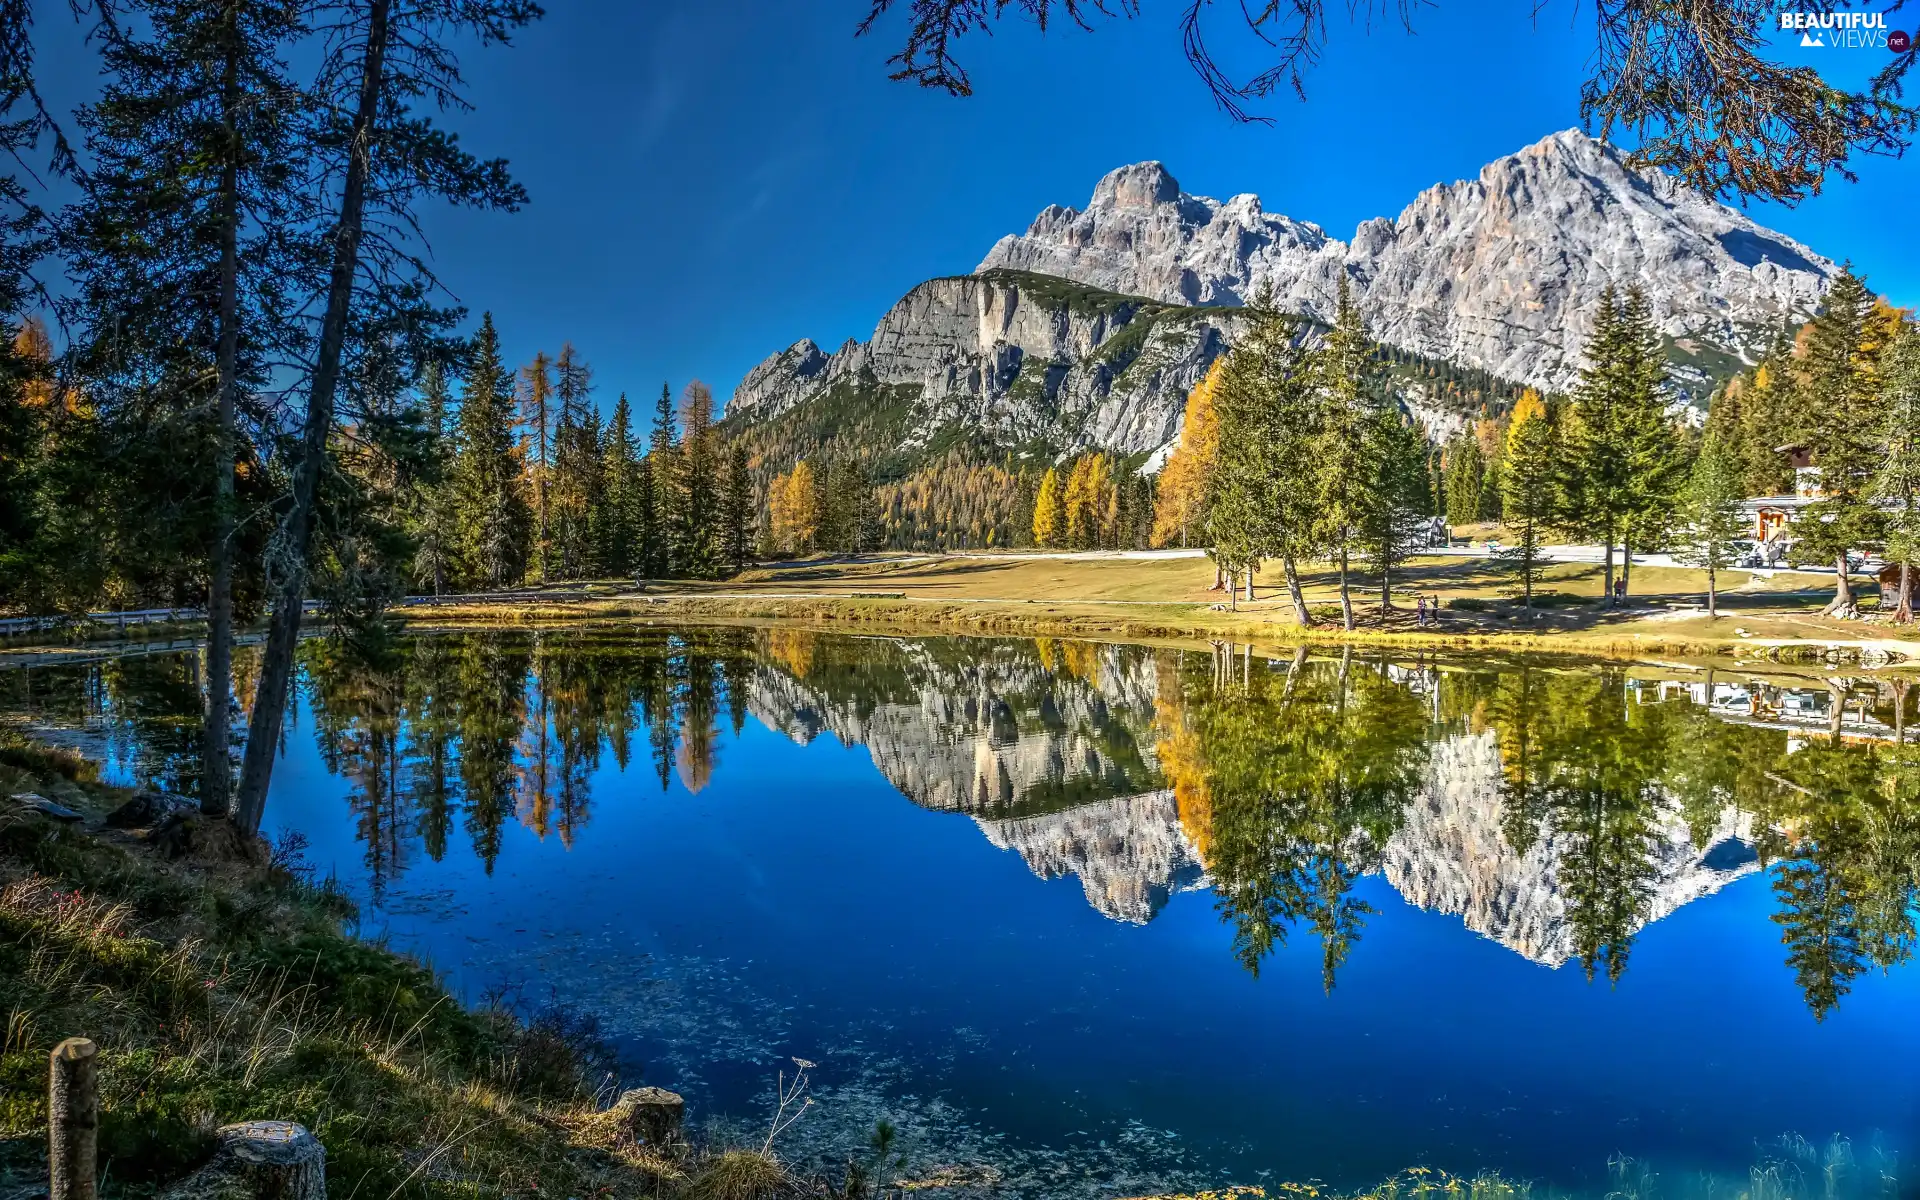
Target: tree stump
point(260, 1160)
point(73, 1121)
point(651, 1115)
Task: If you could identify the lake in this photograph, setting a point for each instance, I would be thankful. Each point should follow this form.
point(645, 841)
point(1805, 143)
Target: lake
point(1103, 920)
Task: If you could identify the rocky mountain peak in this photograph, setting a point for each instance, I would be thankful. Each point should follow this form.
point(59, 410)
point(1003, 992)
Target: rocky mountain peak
point(1137, 185)
point(1501, 271)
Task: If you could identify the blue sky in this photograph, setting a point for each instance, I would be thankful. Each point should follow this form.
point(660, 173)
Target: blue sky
point(712, 181)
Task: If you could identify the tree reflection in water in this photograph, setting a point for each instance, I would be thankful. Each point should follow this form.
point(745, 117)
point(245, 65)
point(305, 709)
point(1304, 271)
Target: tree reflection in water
point(1287, 777)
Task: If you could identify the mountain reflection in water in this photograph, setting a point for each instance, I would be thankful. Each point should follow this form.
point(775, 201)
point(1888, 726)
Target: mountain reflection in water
point(1557, 810)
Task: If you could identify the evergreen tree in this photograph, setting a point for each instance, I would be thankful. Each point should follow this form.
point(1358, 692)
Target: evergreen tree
point(1463, 469)
point(663, 470)
point(187, 242)
point(576, 460)
point(379, 65)
point(1528, 483)
point(646, 520)
point(1342, 450)
point(492, 521)
point(736, 541)
point(1622, 459)
point(699, 499)
point(617, 518)
point(537, 415)
point(1260, 502)
point(1843, 421)
point(1394, 527)
point(434, 496)
point(1896, 485)
point(593, 495)
point(1710, 520)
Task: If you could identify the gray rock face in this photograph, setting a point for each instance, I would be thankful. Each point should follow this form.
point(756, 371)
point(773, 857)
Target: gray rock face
point(1129, 853)
point(1451, 856)
point(1500, 272)
point(1004, 359)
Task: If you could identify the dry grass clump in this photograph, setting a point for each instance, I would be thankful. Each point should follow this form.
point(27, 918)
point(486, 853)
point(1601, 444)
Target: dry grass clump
point(742, 1175)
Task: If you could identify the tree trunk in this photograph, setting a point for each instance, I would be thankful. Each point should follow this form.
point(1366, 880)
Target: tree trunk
point(1626, 566)
point(1346, 598)
point(1294, 592)
point(73, 1121)
point(1606, 578)
point(1386, 588)
point(1233, 591)
point(283, 633)
point(1713, 592)
point(1843, 604)
point(266, 1160)
point(1904, 614)
point(216, 769)
point(1250, 571)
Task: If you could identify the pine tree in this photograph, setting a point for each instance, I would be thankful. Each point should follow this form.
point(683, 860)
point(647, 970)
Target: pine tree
point(188, 236)
point(1529, 488)
point(537, 414)
point(1260, 501)
point(492, 521)
point(593, 495)
point(1463, 468)
point(736, 542)
point(646, 520)
point(1621, 461)
point(576, 460)
point(617, 518)
point(1896, 485)
point(1344, 449)
point(1393, 527)
point(663, 470)
point(434, 498)
point(1842, 416)
point(1050, 511)
point(699, 499)
point(1710, 520)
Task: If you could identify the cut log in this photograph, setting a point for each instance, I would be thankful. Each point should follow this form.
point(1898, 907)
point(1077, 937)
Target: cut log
point(36, 803)
point(260, 1160)
point(73, 1121)
point(651, 1116)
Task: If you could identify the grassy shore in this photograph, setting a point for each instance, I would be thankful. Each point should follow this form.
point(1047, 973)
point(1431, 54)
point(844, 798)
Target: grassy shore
point(1152, 598)
point(223, 986)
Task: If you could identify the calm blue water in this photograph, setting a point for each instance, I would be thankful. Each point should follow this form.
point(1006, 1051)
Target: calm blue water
point(1105, 920)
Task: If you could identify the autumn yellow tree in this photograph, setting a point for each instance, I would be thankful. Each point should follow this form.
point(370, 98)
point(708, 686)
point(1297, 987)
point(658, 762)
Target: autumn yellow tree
point(793, 513)
point(1181, 509)
point(1049, 511)
point(1088, 500)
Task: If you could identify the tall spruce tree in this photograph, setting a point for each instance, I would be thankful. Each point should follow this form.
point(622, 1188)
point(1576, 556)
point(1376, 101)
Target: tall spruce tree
point(1896, 485)
point(1345, 452)
point(699, 498)
point(1710, 523)
point(1622, 459)
point(433, 497)
point(736, 541)
point(1841, 414)
point(537, 413)
point(1394, 526)
point(186, 244)
point(1462, 470)
point(663, 473)
point(616, 522)
point(492, 518)
point(576, 455)
point(1528, 484)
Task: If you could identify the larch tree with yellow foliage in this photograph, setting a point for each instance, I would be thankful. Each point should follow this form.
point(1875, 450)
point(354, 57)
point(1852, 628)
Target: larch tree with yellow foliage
point(1182, 508)
point(1049, 511)
point(1089, 491)
point(793, 513)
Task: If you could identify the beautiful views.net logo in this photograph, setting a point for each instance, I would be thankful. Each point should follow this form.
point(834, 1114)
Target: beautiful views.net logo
point(1844, 31)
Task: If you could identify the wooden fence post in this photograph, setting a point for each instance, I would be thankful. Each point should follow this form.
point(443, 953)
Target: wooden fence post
point(73, 1121)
